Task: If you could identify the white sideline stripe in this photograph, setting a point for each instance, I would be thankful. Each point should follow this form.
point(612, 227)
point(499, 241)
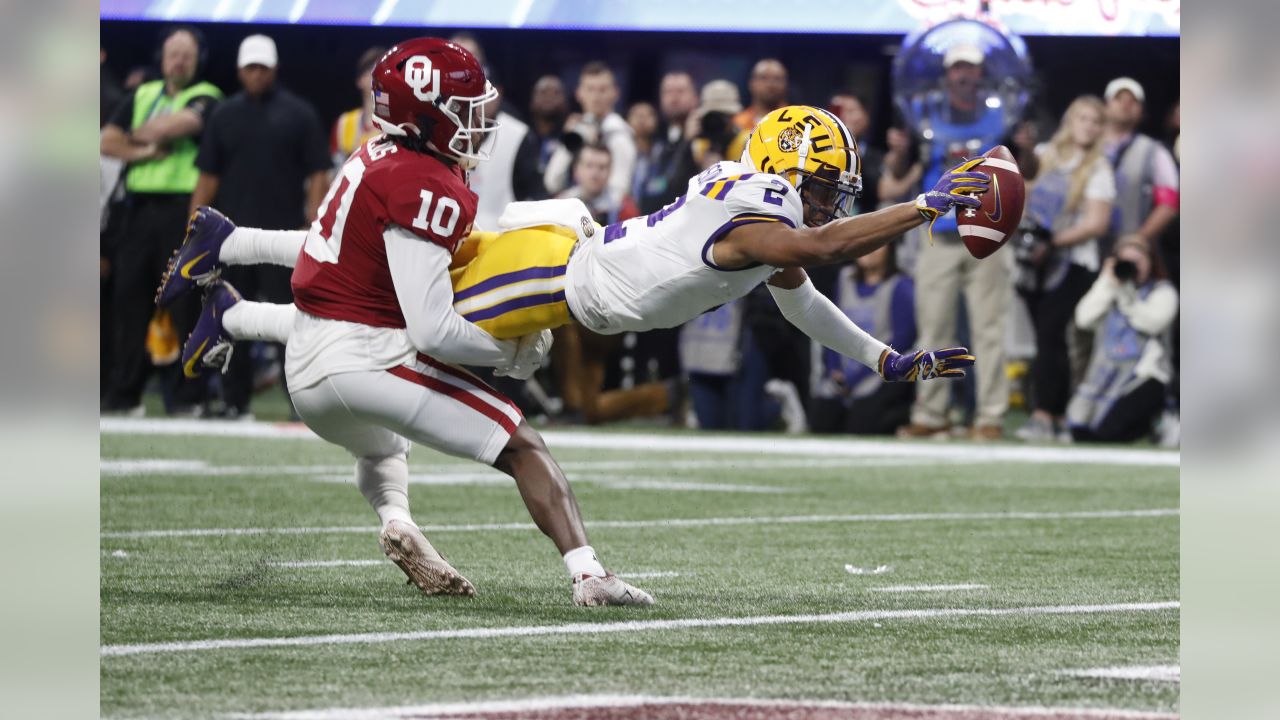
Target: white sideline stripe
point(730, 444)
point(327, 563)
point(125, 467)
point(647, 575)
point(579, 702)
point(1158, 673)
point(982, 232)
point(926, 588)
point(999, 164)
point(667, 523)
point(619, 627)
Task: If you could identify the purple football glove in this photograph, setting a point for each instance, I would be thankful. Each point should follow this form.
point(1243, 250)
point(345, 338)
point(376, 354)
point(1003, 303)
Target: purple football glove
point(924, 364)
point(957, 186)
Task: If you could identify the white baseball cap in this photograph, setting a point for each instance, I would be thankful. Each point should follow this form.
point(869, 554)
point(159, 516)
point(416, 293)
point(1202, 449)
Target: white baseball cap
point(963, 52)
point(257, 50)
point(1119, 85)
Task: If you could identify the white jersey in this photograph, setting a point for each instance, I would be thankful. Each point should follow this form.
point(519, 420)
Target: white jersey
point(659, 271)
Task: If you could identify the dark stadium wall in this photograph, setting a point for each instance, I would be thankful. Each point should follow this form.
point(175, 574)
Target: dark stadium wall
point(317, 61)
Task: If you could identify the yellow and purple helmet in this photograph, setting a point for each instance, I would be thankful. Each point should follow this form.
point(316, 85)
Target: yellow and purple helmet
point(811, 149)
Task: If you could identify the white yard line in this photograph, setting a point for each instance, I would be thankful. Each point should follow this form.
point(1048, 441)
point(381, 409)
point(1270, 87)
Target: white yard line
point(668, 523)
point(622, 627)
point(647, 575)
point(328, 563)
point(925, 588)
point(732, 444)
point(130, 467)
point(1158, 673)
point(577, 702)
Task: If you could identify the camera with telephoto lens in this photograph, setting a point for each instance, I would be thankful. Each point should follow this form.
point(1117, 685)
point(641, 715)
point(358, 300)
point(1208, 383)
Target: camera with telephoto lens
point(1028, 241)
point(1126, 270)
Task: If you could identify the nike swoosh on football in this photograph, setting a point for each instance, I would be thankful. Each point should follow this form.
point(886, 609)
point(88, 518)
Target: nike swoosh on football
point(186, 269)
point(995, 188)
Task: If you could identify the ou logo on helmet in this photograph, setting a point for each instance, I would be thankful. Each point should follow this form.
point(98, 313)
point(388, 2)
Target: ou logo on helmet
point(420, 76)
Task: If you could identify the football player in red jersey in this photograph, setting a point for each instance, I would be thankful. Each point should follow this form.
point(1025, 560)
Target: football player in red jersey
point(374, 352)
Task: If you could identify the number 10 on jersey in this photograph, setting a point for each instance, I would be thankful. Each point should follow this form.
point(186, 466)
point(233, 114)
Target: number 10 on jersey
point(438, 216)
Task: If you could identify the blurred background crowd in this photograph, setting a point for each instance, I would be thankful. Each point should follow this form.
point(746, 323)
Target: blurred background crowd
point(1074, 325)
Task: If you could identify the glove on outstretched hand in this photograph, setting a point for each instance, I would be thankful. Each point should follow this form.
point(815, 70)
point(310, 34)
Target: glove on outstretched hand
point(958, 186)
point(924, 364)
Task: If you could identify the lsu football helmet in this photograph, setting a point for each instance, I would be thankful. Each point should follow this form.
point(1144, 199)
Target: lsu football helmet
point(813, 150)
point(434, 92)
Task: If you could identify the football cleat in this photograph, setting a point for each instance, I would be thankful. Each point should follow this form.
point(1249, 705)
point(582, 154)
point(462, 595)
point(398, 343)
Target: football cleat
point(195, 262)
point(592, 590)
point(407, 547)
point(209, 345)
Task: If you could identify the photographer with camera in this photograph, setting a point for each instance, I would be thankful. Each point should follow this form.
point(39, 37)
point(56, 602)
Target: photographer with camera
point(597, 124)
point(714, 135)
point(1132, 307)
point(1068, 209)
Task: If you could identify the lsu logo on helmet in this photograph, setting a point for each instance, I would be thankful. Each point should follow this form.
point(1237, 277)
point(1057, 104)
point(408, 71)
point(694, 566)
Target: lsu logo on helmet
point(812, 150)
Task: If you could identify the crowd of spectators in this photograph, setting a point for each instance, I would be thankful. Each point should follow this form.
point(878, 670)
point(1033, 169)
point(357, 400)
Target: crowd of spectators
point(1090, 282)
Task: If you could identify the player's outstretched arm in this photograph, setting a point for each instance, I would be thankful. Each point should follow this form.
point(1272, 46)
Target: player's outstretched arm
point(420, 273)
point(842, 240)
point(819, 318)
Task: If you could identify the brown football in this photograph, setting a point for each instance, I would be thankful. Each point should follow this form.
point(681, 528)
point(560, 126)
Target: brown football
point(985, 229)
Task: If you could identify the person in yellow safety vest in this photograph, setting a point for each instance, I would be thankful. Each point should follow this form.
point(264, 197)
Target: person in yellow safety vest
point(155, 130)
point(355, 127)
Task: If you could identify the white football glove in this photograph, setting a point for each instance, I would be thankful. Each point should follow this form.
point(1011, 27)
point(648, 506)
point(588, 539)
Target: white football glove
point(531, 351)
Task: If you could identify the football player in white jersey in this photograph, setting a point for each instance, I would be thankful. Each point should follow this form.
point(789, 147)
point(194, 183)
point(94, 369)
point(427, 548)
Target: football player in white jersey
point(785, 206)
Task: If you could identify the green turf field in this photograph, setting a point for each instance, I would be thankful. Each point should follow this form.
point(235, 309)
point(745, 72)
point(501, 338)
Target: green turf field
point(1070, 575)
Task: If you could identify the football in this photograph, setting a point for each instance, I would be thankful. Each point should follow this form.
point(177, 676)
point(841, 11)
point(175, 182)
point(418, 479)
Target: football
point(984, 229)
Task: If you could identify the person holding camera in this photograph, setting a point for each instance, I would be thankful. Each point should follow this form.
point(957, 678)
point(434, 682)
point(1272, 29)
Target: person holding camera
point(1132, 307)
point(711, 127)
point(597, 124)
point(1068, 209)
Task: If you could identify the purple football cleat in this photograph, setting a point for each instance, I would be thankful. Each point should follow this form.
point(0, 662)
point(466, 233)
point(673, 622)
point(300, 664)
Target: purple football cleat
point(196, 261)
point(209, 345)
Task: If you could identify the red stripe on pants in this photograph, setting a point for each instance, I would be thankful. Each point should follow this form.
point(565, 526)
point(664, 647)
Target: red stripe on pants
point(463, 396)
point(467, 377)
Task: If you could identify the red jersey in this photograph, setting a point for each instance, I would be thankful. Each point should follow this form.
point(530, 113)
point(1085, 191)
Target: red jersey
point(342, 271)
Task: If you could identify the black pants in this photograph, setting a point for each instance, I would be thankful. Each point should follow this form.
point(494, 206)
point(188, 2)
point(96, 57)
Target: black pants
point(1051, 312)
point(266, 283)
point(153, 228)
point(880, 413)
point(1130, 418)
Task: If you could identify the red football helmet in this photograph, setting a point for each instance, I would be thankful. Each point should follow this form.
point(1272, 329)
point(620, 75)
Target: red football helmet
point(434, 90)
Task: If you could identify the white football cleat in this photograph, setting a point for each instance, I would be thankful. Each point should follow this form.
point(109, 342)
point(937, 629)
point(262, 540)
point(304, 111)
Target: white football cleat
point(592, 590)
point(407, 547)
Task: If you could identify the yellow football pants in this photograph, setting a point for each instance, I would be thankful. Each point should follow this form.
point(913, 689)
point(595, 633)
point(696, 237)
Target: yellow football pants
point(512, 284)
